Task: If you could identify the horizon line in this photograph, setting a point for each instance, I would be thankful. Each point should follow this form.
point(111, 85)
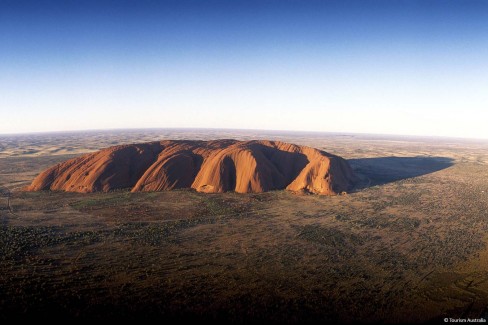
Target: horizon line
point(243, 129)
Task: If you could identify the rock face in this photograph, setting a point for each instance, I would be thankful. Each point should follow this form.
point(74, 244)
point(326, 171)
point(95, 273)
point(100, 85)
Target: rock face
point(206, 166)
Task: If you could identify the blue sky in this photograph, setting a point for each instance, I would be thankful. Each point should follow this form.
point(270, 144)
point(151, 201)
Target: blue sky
point(399, 67)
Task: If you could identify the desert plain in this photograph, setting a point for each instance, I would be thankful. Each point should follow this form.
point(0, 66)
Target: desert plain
point(407, 244)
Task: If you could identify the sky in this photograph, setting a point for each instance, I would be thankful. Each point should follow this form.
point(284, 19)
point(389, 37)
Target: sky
point(388, 67)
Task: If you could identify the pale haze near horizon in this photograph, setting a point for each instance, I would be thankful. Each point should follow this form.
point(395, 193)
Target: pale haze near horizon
point(423, 72)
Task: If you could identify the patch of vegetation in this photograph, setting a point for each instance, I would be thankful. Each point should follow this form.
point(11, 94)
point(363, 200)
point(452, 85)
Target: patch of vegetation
point(390, 222)
point(18, 242)
point(102, 200)
point(342, 217)
point(214, 205)
point(152, 234)
point(336, 243)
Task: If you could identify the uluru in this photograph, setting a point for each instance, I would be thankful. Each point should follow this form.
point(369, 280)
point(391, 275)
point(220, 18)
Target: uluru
point(206, 166)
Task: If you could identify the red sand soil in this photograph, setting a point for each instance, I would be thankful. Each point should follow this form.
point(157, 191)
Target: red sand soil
point(206, 166)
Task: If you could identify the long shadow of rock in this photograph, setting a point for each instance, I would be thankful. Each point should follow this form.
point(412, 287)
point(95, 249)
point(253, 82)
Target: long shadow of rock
point(383, 170)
